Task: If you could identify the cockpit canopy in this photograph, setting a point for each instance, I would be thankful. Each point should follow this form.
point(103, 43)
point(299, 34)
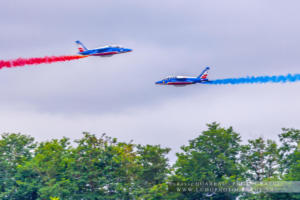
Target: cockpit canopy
point(176, 77)
point(169, 77)
point(111, 46)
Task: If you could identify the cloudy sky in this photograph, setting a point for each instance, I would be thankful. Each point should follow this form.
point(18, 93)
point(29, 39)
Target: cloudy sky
point(117, 95)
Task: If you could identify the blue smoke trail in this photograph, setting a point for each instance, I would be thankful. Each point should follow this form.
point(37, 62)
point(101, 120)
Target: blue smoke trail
point(258, 79)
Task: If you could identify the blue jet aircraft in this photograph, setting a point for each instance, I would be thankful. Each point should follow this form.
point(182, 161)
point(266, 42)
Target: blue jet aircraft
point(184, 80)
point(101, 51)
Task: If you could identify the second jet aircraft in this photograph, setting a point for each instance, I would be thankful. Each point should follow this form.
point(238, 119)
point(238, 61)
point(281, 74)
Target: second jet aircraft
point(185, 80)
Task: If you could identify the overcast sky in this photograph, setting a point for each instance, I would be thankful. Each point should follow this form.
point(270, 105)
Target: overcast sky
point(117, 95)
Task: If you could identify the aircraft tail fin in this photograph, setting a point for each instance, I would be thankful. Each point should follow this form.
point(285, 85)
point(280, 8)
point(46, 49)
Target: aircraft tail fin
point(81, 47)
point(204, 74)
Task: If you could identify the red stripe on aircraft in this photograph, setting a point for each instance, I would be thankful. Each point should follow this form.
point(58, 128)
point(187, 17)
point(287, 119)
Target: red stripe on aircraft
point(179, 83)
point(106, 53)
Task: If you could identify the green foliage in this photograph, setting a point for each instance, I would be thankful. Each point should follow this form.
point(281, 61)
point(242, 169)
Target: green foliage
point(152, 173)
point(54, 198)
point(212, 156)
point(294, 173)
point(103, 168)
point(294, 169)
point(290, 139)
point(15, 150)
point(261, 159)
point(44, 175)
point(96, 168)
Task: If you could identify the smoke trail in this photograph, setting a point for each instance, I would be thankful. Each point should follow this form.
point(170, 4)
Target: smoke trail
point(36, 61)
point(258, 79)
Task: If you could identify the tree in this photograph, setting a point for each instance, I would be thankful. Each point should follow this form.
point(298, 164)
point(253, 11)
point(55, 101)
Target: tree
point(103, 168)
point(96, 168)
point(15, 150)
point(261, 159)
point(152, 173)
point(290, 139)
point(211, 157)
point(261, 163)
point(46, 175)
point(294, 171)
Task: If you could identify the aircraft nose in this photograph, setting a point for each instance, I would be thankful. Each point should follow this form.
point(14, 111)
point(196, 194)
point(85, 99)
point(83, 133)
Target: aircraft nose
point(158, 82)
point(127, 50)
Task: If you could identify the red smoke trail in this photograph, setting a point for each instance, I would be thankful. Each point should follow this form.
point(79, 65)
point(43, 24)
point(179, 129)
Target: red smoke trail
point(36, 61)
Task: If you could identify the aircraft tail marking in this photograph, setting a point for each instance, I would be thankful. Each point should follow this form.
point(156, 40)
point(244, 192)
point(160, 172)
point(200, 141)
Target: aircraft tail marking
point(204, 74)
point(81, 47)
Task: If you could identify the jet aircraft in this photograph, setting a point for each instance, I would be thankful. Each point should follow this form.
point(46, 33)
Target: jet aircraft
point(101, 51)
point(185, 80)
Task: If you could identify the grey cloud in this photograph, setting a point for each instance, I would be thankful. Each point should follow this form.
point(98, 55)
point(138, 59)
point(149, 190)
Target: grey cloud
point(117, 95)
point(236, 39)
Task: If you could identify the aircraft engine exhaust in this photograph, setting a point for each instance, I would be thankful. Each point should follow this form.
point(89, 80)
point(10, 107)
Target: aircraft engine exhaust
point(36, 61)
point(257, 79)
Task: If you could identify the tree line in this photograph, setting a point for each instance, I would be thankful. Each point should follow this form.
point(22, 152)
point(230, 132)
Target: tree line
point(96, 168)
